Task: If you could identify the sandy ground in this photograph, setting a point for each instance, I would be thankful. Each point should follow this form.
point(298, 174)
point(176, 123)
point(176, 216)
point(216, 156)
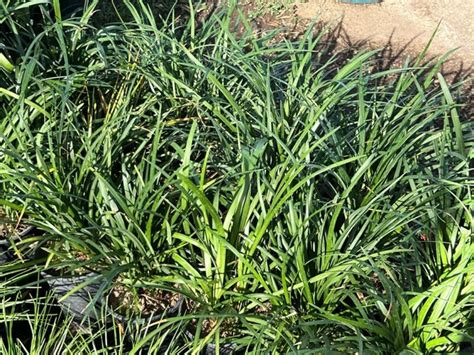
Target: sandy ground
point(403, 24)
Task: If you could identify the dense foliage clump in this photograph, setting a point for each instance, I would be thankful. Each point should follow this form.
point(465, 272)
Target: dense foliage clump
point(295, 205)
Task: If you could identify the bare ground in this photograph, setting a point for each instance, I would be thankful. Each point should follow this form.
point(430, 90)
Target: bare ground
point(403, 24)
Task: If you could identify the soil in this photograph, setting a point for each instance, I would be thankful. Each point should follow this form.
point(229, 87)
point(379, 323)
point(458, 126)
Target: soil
point(264, 308)
point(403, 24)
point(148, 301)
point(228, 327)
point(7, 226)
point(11, 230)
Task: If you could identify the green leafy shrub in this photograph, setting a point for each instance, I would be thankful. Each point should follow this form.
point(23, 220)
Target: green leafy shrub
point(320, 208)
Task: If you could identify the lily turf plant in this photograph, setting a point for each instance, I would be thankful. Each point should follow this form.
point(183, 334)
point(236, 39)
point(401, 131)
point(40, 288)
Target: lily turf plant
point(315, 207)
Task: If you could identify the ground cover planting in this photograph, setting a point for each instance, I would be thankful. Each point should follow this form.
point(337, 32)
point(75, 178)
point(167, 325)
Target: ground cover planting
point(176, 183)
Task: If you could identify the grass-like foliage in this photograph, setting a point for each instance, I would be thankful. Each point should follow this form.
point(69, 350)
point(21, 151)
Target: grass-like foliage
point(298, 206)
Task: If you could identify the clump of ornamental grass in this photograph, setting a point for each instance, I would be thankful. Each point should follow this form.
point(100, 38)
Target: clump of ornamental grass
point(318, 208)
